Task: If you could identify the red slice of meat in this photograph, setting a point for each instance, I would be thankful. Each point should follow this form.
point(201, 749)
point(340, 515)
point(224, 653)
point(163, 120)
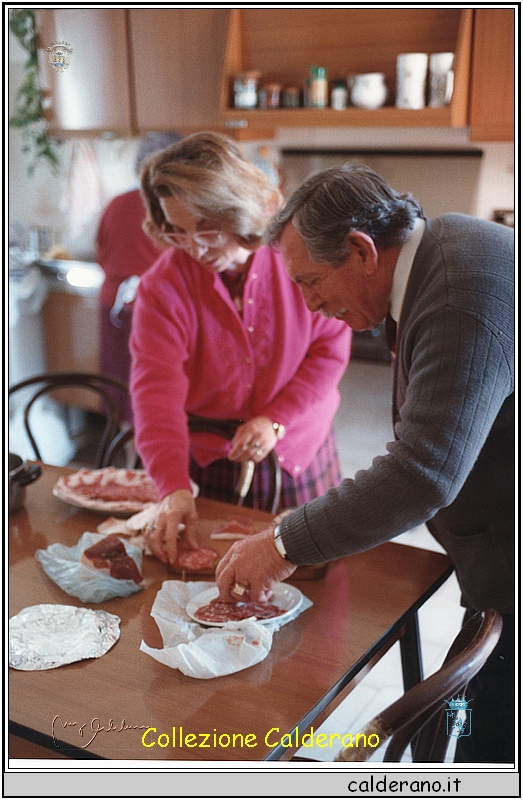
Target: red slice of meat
point(124, 569)
point(107, 548)
point(109, 554)
point(195, 560)
point(262, 610)
point(112, 490)
point(218, 611)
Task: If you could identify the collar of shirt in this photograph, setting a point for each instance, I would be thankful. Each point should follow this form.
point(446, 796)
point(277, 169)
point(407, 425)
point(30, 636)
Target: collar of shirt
point(403, 267)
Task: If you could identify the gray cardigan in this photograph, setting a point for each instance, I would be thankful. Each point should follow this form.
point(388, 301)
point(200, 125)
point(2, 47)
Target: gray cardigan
point(452, 462)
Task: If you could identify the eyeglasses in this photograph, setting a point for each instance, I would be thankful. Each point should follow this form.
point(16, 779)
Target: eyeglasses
point(203, 239)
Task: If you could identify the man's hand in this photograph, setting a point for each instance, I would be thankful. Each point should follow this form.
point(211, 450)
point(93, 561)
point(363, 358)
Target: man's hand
point(253, 440)
point(252, 563)
point(162, 534)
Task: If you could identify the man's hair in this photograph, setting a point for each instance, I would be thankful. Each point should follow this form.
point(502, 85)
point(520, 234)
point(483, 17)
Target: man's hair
point(333, 203)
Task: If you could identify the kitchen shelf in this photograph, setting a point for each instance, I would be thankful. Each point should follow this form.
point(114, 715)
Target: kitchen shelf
point(282, 47)
point(388, 116)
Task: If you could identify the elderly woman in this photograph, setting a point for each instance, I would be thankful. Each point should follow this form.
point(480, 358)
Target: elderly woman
point(220, 331)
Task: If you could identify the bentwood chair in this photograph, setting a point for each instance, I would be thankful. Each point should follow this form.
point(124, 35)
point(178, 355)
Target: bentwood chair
point(108, 391)
point(226, 429)
point(420, 716)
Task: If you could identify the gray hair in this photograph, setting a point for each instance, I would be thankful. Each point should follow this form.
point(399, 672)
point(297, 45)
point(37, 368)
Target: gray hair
point(334, 202)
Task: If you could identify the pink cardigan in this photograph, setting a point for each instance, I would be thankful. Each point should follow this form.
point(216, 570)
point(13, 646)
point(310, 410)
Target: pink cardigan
point(192, 352)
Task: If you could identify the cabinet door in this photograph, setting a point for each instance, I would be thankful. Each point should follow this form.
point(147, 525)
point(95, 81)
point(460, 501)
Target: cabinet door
point(177, 63)
point(492, 90)
point(93, 93)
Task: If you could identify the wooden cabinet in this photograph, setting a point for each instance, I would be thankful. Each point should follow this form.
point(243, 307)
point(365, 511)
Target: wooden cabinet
point(135, 70)
point(94, 92)
point(283, 43)
point(139, 69)
point(177, 63)
point(492, 87)
point(72, 341)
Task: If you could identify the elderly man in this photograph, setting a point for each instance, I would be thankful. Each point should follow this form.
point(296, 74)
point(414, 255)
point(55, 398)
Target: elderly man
point(362, 252)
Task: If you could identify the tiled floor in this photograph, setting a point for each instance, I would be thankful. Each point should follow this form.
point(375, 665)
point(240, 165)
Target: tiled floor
point(363, 427)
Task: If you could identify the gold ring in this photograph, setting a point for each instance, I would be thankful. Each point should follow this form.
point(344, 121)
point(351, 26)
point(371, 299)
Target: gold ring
point(239, 589)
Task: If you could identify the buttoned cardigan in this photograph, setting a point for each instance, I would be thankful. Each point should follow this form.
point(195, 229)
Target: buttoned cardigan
point(192, 352)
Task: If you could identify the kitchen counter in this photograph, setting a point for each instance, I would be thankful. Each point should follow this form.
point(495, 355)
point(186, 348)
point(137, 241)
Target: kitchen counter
point(72, 277)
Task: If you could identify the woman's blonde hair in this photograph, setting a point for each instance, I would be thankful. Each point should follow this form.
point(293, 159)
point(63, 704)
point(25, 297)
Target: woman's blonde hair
point(208, 173)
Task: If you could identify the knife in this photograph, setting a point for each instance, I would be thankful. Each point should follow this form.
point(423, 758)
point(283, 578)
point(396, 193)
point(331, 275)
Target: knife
point(245, 480)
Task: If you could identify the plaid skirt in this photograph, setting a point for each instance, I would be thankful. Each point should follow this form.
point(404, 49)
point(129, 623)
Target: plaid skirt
point(219, 479)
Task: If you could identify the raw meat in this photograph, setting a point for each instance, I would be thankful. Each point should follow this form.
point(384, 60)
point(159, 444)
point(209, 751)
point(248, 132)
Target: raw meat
point(218, 611)
point(110, 556)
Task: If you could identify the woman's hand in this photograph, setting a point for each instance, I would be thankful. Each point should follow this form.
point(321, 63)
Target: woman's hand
point(253, 440)
point(253, 565)
point(162, 534)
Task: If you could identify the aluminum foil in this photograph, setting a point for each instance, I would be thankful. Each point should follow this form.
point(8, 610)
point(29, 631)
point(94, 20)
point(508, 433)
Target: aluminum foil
point(48, 636)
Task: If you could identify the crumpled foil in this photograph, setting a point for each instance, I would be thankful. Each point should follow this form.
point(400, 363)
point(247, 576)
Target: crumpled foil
point(48, 636)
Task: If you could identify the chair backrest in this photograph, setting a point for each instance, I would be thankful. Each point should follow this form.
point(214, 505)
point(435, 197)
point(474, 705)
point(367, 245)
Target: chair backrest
point(101, 385)
point(224, 428)
point(422, 708)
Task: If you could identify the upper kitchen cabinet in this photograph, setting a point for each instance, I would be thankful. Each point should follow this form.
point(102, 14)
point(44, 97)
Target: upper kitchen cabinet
point(282, 44)
point(492, 87)
point(94, 92)
point(136, 69)
point(177, 63)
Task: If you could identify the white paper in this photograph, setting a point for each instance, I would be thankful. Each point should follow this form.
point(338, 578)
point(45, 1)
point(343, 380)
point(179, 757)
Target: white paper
point(201, 652)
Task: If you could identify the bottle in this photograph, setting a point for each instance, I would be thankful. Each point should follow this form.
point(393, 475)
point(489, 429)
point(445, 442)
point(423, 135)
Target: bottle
point(318, 88)
point(339, 95)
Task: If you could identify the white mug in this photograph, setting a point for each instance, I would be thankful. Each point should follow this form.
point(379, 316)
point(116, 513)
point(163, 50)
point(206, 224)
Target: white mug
point(411, 71)
point(441, 79)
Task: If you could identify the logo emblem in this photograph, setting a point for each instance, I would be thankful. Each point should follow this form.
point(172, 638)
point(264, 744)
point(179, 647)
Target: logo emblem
point(459, 717)
point(59, 55)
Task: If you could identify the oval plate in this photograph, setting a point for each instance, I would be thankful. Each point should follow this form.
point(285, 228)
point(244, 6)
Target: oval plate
point(285, 596)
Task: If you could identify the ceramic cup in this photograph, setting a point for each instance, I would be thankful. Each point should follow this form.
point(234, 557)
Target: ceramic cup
point(411, 71)
point(441, 81)
point(368, 90)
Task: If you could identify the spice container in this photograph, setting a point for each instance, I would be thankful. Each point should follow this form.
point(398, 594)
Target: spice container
point(272, 95)
point(246, 90)
point(318, 87)
point(339, 95)
point(291, 97)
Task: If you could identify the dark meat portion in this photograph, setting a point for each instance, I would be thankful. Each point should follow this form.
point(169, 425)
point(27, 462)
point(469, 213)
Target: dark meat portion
point(110, 556)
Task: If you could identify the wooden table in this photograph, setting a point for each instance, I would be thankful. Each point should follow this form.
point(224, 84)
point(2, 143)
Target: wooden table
point(101, 708)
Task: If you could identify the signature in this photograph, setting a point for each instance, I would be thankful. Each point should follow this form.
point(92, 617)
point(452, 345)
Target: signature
point(91, 729)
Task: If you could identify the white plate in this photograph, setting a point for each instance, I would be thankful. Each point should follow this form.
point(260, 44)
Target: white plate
point(48, 636)
point(285, 596)
point(66, 489)
point(66, 486)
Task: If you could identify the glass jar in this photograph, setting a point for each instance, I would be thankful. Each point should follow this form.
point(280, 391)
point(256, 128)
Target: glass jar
point(339, 95)
point(272, 95)
point(318, 87)
point(291, 97)
point(246, 90)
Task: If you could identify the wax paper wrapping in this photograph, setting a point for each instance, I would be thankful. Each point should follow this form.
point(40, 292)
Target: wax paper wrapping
point(62, 565)
point(201, 652)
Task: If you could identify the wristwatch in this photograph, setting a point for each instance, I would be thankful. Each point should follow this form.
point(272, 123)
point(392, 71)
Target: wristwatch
point(279, 430)
point(278, 542)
